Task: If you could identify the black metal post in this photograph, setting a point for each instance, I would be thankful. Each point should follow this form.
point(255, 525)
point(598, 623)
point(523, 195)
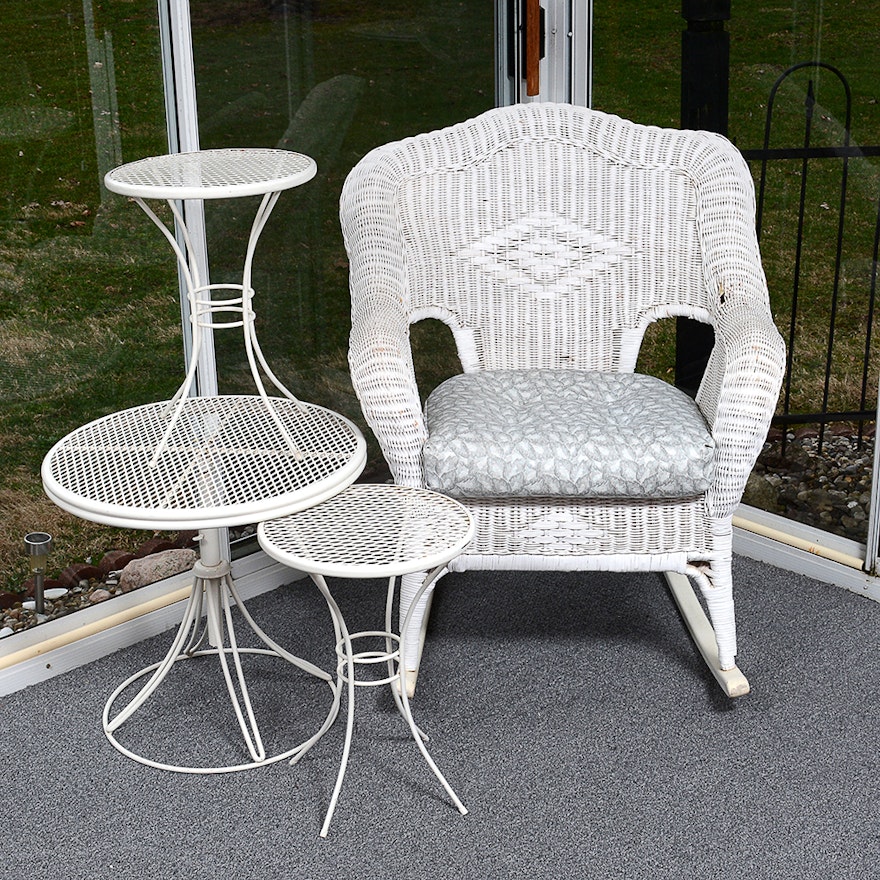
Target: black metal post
point(705, 81)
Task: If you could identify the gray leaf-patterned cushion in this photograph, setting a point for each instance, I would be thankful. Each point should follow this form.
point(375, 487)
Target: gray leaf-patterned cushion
point(563, 433)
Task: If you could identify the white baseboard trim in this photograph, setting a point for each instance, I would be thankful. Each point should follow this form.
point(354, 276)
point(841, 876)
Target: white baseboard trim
point(60, 645)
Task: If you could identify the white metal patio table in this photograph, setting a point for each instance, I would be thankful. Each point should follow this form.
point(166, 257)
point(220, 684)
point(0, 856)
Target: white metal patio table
point(209, 462)
point(372, 531)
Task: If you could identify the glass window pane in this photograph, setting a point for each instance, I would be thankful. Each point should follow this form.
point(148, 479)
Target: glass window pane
point(818, 228)
point(818, 238)
point(89, 316)
point(332, 79)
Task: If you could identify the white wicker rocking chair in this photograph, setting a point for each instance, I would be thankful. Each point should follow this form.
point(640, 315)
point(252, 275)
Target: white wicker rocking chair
point(548, 237)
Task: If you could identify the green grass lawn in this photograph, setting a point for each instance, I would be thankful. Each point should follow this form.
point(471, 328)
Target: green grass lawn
point(89, 318)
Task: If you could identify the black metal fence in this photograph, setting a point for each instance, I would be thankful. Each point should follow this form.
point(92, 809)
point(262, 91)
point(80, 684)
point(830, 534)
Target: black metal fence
point(800, 159)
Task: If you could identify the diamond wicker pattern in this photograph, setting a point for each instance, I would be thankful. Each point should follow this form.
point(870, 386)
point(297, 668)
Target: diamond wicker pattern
point(225, 461)
point(371, 531)
point(545, 254)
point(520, 433)
point(211, 174)
point(548, 237)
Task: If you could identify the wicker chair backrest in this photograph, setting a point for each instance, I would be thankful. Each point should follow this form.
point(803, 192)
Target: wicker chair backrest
point(550, 236)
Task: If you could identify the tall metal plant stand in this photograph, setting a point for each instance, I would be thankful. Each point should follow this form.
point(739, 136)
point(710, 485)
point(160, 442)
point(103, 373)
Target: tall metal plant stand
point(212, 462)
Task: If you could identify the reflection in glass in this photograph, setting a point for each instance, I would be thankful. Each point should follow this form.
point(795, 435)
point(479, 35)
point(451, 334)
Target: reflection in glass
point(331, 79)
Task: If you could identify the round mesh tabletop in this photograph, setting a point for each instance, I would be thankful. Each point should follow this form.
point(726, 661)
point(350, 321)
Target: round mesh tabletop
point(370, 531)
point(211, 174)
point(226, 463)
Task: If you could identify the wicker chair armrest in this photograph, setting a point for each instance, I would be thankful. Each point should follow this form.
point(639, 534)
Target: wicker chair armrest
point(738, 395)
point(380, 360)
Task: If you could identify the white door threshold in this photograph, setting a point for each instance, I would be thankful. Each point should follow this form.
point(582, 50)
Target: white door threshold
point(793, 546)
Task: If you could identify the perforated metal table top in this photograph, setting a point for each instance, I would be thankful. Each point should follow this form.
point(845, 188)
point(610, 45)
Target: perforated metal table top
point(226, 463)
point(370, 531)
point(211, 174)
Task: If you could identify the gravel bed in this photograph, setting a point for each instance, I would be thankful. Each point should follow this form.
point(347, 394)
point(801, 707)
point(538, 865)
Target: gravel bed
point(829, 489)
point(83, 584)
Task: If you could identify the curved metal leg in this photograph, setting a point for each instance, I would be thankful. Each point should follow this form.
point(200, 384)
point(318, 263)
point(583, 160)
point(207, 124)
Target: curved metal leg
point(200, 631)
point(432, 576)
point(398, 688)
point(349, 723)
point(250, 730)
point(213, 590)
point(399, 674)
point(193, 606)
point(271, 643)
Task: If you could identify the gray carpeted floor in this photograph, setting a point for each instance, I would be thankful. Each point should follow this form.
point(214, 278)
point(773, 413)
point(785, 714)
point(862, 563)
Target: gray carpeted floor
point(577, 724)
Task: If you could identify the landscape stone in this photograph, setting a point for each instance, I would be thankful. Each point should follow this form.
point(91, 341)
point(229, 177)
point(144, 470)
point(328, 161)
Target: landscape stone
point(156, 567)
point(114, 560)
point(76, 572)
point(154, 545)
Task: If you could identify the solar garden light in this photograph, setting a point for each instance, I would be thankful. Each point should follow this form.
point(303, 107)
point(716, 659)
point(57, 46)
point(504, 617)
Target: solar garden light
point(37, 546)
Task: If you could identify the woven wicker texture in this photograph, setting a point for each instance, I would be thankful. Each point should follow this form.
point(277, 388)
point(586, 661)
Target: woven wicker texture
point(369, 531)
point(226, 463)
point(211, 174)
point(549, 237)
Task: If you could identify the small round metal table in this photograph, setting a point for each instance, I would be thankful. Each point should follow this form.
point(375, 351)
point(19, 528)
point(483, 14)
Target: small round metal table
point(372, 531)
point(209, 462)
